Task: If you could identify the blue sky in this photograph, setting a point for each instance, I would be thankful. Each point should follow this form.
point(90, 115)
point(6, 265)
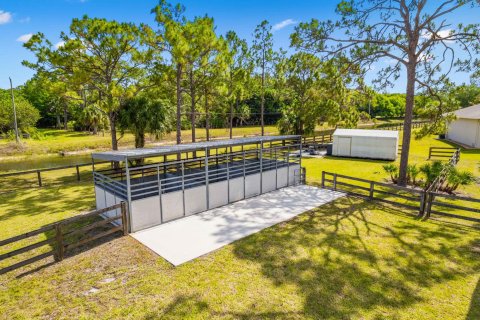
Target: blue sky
point(19, 18)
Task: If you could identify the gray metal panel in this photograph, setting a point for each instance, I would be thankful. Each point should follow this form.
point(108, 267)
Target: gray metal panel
point(121, 155)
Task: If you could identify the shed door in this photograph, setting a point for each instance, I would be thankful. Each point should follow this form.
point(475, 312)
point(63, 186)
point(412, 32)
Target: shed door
point(344, 146)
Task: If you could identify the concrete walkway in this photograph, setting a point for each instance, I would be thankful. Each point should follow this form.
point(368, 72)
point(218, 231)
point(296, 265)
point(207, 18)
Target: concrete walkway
point(185, 239)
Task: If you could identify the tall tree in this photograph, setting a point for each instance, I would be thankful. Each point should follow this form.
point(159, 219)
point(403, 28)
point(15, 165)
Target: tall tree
point(263, 55)
point(238, 73)
point(146, 114)
point(415, 34)
point(204, 60)
point(170, 38)
point(311, 91)
point(105, 56)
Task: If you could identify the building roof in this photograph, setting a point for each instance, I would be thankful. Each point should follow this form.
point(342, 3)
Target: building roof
point(472, 112)
point(123, 155)
point(365, 133)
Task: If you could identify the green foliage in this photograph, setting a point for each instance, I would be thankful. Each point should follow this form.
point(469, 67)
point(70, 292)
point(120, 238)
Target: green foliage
point(27, 115)
point(145, 114)
point(392, 170)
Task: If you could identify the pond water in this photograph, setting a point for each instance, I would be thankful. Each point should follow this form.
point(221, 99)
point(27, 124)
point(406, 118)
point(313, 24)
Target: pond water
point(41, 162)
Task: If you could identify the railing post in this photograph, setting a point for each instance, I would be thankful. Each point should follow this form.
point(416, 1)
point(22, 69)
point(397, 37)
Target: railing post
point(372, 188)
point(335, 181)
point(59, 239)
point(429, 153)
point(323, 179)
point(123, 210)
point(78, 172)
point(39, 177)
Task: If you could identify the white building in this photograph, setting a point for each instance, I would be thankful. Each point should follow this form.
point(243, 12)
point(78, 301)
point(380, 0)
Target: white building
point(363, 143)
point(466, 128)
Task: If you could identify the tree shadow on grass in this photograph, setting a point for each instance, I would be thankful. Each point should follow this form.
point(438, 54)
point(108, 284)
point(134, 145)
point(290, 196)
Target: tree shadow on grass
point(346, 265)
point(46, 201)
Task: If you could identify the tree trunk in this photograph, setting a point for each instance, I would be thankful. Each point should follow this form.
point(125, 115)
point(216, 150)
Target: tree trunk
point(58, 121)
point(231, 120)
point(407, 126)
point(179, 103)
point(65, 118)
point(207, 117)
point(95, 127)
point(140, 140)
point(113, 130)
point(262, 103)
point(192, 106)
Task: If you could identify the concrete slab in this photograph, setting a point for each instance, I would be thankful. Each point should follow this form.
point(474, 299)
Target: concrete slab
point(185, 239)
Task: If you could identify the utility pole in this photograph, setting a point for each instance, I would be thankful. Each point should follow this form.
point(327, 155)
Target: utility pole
point(17, 139)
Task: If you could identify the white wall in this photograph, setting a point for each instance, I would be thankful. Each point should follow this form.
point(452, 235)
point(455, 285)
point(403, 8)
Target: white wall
point(217, 194)
point(152, 211)
point(465, 131)
point(195, 200)
point(366, 147)
point(145, 213)
point(172, 205)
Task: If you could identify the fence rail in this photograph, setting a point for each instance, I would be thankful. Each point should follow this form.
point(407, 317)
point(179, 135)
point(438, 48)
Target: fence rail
point(63, 236)
point(441, 152)
point(373, 190)
point(426, 202)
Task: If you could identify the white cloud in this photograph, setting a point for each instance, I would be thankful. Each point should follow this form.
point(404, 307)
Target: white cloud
point(283, 24)
point(5, 17)
point(439, 34)
point(59, 44)
point(24, 37)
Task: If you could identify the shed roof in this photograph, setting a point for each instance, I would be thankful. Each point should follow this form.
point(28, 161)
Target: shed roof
point(127, 154)
point(472, 112)
point(365, 133)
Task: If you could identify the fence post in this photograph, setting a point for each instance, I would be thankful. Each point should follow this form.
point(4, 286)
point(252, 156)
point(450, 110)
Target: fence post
point(335, 181)
point(39, 177)
point(123, 210)
point(372, 186)
point(429, 153)
point(78, 172)
point(59, 239)
point(323, 179)
point(430, 198)
point(421, 210)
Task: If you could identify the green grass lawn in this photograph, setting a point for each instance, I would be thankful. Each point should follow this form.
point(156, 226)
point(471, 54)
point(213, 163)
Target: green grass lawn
point(348, 259)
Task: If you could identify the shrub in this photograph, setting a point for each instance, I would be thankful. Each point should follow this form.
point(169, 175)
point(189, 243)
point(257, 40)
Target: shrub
point(392, 170)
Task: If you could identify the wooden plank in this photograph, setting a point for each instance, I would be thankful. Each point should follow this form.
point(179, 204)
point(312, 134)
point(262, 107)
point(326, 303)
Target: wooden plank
point(25, 249)
point(353, 186)
point(95, 237)
point(453, 206)
point(397, 195)
point(454, 197)
point(27, 262)
point(90, 214)
point(92, 226)
point(26, 235)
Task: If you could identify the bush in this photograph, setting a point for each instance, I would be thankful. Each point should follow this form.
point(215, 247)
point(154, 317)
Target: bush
point(27, 115)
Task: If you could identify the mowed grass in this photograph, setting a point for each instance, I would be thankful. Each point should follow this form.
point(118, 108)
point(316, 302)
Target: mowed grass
point(349, 259)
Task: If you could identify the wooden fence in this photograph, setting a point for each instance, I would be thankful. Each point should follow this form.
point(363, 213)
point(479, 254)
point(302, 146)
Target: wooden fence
point(441, 152)
point(424, 202)
point(38, 172)
point(374, 190)
point(63, 236)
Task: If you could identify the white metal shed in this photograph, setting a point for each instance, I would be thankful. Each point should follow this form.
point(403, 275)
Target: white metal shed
point(465, 129)
point(363, 143)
